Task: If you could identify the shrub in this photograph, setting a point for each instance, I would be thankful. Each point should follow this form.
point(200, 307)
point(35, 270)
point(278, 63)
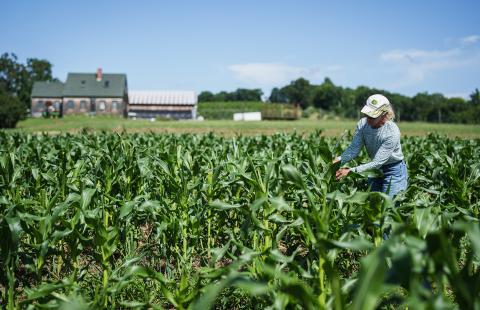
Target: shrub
point(11, 111)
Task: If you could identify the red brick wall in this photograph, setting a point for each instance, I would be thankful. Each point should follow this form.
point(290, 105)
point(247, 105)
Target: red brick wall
point(99, 102)
point(38, 105)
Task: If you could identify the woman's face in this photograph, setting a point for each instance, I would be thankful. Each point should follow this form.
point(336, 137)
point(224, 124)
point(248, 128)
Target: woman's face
point(377, 122)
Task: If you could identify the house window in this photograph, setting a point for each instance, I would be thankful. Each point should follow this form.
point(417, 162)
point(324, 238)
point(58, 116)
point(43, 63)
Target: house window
point(70, 105)
point(115, 106)
point(39, 106)
point(101, 106)
point(83, 105)
point(56, 105)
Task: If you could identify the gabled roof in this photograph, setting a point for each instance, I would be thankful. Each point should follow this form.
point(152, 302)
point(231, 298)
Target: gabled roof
point(86, 85)
point(162, 97)
point(48, 89)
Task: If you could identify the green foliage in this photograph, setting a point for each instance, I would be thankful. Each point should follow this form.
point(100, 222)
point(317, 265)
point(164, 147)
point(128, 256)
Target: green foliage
point(205, 96)
point(299, 92)
point(17, 79)
point(475, 97)
point(11, 111)
point(278, 96)
point(225, 110)
point(109, 220)
point(348, 102)
point(327, 95)
point(241, 94)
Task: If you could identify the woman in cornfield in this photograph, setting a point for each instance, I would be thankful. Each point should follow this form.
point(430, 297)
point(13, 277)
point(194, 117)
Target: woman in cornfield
point(381, 138)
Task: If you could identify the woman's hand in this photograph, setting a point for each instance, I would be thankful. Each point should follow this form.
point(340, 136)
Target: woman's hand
point(342, 172)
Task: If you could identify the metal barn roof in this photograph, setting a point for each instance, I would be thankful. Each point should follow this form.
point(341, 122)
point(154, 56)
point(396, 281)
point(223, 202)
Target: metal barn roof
point(162, 97)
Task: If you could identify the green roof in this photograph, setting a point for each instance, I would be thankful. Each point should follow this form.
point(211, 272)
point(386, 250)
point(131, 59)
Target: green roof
point(86, 85)
point(48, 89)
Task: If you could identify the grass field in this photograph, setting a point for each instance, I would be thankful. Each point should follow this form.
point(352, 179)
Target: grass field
point(227, 127)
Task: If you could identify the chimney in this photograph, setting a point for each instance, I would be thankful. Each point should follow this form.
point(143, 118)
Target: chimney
point(99, 74)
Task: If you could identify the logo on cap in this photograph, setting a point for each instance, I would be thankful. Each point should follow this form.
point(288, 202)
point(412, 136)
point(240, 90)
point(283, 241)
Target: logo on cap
point(374, 101)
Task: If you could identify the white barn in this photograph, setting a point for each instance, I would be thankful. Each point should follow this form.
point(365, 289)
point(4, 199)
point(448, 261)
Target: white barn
point(165, 104)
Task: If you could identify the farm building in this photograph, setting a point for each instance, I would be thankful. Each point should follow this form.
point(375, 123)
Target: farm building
point(47, 96)
point(164, 104)
point(82, 93)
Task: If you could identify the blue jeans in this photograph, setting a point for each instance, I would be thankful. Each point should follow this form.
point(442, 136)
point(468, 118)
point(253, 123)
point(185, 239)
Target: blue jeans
point(395, 179)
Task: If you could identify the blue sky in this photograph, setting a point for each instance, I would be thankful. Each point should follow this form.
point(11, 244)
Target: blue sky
point(402, 46)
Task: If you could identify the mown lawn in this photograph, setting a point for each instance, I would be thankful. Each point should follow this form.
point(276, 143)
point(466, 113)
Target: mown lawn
point(228, 127)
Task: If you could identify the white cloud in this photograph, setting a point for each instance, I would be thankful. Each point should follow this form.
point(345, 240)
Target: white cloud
point(416, 56)
point(414, 65)
point(276, 74)
point(470, 40)
point(264, 74)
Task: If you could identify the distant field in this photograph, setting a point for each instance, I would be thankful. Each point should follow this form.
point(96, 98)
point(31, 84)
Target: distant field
point(227, 127)
point(225, 110)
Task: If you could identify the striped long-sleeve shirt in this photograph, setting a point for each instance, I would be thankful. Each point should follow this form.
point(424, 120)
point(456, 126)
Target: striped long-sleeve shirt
point(382, 144)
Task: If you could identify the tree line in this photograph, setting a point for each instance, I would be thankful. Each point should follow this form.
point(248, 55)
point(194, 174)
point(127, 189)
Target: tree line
point(347, 102)
point(241, 94)
point(16, 83)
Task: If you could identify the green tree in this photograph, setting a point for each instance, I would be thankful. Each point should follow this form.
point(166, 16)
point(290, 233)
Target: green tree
point(454, 110)
point(401, 105)
point(221, 96)
point(429, 107)
point(17, 79)
point(346, 106)
point(278, 96)
point(326, 96)
point(463, 111)
point(475, 97)
point(299, 92)
point(205, 96)
point(420, 108)
point(243, 94)
point(10, 74)
point(11, 110)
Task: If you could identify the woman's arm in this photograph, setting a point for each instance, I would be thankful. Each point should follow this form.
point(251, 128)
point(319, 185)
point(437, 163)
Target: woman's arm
point(355, 146)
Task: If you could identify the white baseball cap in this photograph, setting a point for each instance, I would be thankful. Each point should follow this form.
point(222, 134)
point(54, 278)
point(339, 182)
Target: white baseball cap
point(376, 105)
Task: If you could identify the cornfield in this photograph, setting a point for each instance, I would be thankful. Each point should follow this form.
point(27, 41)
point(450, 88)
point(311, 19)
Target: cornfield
point(109, 220)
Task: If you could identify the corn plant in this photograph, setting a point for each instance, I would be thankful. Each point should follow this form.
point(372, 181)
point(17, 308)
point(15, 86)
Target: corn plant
point(117, 220)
